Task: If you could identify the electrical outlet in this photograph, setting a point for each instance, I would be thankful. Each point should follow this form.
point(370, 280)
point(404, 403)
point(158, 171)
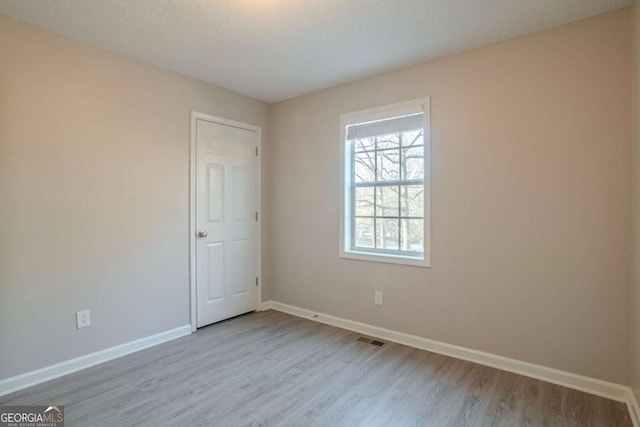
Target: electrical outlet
point(377, 297)
point(83, 319)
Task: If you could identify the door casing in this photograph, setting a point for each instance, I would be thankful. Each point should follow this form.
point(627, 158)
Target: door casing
point(192, 208)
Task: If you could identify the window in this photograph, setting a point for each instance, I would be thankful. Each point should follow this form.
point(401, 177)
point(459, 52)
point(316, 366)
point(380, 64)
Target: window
point(385, 184)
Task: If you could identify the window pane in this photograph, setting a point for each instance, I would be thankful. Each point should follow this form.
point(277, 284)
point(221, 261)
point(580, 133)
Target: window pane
point(362, 144)
point(383, 213)
point(412, 197)
point(388, 141)
point(365, 164)
point(364, 232)
point(413, 137)
point(387, 201)
point(364, 201)
point(387, 233)
point(413, 163)
point(412, 235)
point(388, 165)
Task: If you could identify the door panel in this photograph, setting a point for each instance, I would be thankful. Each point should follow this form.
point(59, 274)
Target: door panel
point(239, 175)
point(226, 205)
point(215, 271)
point(239, 279)
point(215, 192)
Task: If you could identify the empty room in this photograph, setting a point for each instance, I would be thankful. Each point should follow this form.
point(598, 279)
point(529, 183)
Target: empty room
point(319, 213)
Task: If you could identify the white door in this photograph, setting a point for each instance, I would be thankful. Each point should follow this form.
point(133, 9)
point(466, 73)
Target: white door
point(226, 221)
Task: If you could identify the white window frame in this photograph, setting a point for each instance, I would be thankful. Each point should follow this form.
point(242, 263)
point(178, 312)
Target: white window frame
point(384, 112)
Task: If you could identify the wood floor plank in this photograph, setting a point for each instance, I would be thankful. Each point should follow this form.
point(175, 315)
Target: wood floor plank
point(273, 369)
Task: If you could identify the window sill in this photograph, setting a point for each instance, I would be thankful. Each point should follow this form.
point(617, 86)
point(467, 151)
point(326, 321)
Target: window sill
point(386, 258)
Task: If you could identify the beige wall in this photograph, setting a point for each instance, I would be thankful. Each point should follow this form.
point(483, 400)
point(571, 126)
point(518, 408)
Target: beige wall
point(94, 157)
point(636, 201)
point(531, 207)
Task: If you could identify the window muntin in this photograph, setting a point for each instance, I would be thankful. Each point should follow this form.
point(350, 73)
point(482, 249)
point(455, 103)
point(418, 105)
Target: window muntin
point(387, 186)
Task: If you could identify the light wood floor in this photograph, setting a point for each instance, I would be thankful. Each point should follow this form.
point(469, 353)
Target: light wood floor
point(273, 369)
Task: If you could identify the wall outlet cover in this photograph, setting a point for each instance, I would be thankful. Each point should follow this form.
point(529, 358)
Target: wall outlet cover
point(377, 297)
point(83, 319)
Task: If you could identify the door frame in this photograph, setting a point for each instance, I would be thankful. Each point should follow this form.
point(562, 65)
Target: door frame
point(195, 116)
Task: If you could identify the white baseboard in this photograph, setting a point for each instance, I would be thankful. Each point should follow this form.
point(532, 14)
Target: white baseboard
point(567, 379)
point(634, 408)
point(265, 305)
point(38, 376)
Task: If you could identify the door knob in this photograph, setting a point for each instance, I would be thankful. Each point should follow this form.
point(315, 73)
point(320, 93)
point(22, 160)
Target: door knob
point(202, 233)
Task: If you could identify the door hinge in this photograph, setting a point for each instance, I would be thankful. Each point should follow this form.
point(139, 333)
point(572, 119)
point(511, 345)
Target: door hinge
point(256, 216)
point(256, 281)
point(256, 151)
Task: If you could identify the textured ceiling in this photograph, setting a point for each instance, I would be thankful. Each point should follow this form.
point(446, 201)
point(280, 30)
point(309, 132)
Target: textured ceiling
point(277, 49)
